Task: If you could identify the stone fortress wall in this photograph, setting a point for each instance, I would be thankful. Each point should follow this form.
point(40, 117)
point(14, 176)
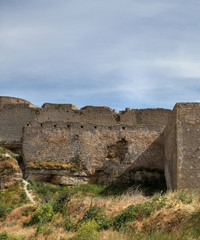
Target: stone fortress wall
point(182, 147)
point(64, 145)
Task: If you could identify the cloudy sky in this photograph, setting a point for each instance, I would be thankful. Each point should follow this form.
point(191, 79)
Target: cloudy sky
point(130, 53)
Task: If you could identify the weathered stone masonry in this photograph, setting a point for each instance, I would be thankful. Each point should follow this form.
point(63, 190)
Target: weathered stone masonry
point(182, 147)
point(64, 145)
point(97, 153)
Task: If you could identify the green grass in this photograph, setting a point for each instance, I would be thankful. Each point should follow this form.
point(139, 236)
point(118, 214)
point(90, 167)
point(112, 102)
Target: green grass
point(6, 236)
point(49, 192)
point(53, 211)
point(14, 196)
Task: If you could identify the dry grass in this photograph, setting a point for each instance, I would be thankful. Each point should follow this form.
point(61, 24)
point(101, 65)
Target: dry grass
point(110, 205)
point(49, 165)
point(9, 166)
point(112, 235)
point(170, 212)
point(13, 224)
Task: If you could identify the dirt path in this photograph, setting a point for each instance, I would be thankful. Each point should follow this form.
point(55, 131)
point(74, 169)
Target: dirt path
point(29, 195)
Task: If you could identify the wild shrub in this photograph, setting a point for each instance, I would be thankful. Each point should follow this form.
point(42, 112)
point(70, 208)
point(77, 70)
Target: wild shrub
point(138, 211)
point(96, 213)
point(23, 195)
point(12, 196)
point(68, 224)
point(159, 200)
point(184, 196)
point(4, 210)
point(124, 217)
point(194, 226)
point(45, 229)
point(42, 215)
point(61, 202)
point(26, 211)
point(87, 231)
point(92, 213)
point(104, 222)
point(144, 210)
point(6, 236)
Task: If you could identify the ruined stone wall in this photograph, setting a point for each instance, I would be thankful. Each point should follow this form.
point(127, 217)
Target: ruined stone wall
point(156, 116)
point(12, 100)
point(70, 113)
point(184, 161)
point(13, 117)
point(102, 115)
point(78, 153)
point(62, 144)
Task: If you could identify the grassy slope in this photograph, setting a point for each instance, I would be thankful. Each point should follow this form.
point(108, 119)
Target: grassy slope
point(64, 212)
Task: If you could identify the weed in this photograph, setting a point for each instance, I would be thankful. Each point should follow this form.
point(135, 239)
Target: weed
point(91, 213)
point(123, 218)
point(13, 196)
point(96, 213)
point(26, 211)
point(23, 195)
point(4, 210)
point(184, 196)
point(6, 236)
point(61, 203)
point(87, 231)
point(68, 224)
point(42, 215)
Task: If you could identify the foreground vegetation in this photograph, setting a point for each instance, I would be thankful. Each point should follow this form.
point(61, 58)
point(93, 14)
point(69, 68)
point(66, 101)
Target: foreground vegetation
point(98, 212)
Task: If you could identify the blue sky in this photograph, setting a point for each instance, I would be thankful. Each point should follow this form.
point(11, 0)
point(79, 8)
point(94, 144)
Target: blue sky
point(130, 53)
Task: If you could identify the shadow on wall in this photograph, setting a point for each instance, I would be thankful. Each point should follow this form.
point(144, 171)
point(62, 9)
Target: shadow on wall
point(147, 170)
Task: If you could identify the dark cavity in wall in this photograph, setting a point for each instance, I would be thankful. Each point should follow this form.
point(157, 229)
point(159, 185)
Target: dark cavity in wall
point(21, 164)
point(117, 151)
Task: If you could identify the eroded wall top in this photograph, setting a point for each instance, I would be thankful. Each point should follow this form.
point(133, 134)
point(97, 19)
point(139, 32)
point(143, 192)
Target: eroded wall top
point(12, 100)
point(102, 115)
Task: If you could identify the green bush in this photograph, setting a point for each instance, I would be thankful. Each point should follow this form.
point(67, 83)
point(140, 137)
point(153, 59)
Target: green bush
point(92, 213)
point(159, 200)
point(68, 224)
point(104, 222)
point(4, 236)
point(87, 231)
point(139, 211)
point(124, 217)
point(26, 211)
point(3, 210)
point(95, 213)
point(23, 195)
point(184, 196)
point(62, 201)
point(144, 210)
point(42, 215)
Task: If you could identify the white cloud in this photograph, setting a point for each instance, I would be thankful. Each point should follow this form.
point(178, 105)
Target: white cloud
point(140, 51)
